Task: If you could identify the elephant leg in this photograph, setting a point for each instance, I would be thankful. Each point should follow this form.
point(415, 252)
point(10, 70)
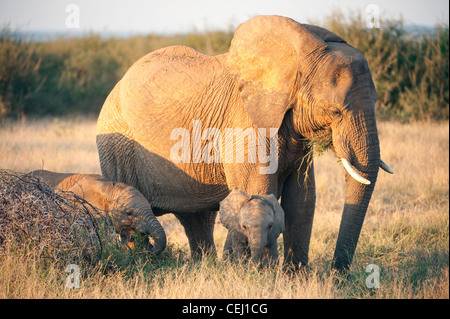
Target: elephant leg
point(199, 227)
point(298, 201)
point(227, 248)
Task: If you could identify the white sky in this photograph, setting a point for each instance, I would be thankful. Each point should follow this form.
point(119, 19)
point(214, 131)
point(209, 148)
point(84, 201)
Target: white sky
point(184, 15)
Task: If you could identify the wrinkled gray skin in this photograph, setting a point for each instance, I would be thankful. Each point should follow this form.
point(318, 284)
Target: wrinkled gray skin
point(254, 223)
point(300, 79)
point(128, 209)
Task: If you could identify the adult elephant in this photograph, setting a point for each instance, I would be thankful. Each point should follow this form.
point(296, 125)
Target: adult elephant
point(167, 125)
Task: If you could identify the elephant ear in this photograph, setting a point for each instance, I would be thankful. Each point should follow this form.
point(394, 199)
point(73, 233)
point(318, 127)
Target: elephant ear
point(230, 208)
point(265, 56)
point(278, 224)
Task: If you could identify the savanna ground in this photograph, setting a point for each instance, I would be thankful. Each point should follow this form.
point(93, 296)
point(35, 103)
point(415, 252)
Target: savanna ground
point(405, 234)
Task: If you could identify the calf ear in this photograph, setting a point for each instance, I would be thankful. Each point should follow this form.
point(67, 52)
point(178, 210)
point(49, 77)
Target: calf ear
point(230, 208)
point(278, 224)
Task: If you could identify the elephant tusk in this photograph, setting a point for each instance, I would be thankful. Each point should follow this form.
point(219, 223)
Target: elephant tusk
point(386, 168)
point(353, 173)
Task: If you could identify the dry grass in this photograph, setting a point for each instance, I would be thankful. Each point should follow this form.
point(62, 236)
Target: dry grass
point(53, 144)
point(406, 231)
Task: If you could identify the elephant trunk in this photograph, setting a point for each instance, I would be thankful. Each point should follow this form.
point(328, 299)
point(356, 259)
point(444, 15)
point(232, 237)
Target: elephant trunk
point(364, 156)
point(152, 228)
point(124, 198)
point(260, 252)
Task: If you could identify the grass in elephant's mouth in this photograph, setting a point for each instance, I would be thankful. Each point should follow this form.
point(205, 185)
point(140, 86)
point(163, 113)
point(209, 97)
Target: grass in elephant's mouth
point(320, 142)
point(405, 232)
point(317, 146)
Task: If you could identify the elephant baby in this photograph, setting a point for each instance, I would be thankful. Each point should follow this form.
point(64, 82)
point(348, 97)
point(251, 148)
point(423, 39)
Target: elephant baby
point(128, 208)
point(254, 224)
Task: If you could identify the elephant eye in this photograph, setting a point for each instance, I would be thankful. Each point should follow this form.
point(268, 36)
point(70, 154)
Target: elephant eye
point(335, 112)
point(129, 213)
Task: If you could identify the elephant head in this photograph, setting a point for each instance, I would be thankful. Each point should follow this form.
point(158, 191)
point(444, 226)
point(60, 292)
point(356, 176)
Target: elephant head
point(305, 77)
point(127, 207)
point(254, 222)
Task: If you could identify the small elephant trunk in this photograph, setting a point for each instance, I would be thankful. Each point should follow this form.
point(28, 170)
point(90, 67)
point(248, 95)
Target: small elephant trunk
point(154, 230)
point(261, 253)
point(145, 221)
point(263, 256)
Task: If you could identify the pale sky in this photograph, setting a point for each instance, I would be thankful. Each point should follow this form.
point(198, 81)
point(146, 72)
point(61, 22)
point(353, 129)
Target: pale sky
point(169, 16)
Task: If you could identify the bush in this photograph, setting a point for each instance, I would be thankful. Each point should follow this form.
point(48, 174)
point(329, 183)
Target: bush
point(410, 70)
point(20, 78)
point(59, 226)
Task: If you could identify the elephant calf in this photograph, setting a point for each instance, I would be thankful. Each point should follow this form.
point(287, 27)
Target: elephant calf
point(254, 224)
point(128, 208)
